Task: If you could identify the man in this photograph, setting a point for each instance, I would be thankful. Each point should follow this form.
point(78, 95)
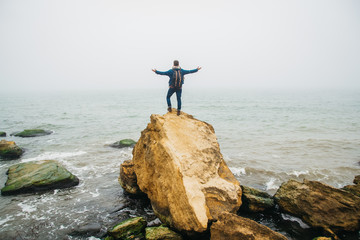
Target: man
point(176, 75)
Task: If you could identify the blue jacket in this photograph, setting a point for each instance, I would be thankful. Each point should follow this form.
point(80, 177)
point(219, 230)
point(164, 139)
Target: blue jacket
point(173, 81)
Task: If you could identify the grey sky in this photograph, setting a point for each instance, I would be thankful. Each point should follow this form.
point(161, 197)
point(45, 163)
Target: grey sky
point(96, 44)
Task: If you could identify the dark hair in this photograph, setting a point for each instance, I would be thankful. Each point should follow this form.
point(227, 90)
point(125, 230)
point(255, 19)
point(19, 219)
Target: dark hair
point(176, 63)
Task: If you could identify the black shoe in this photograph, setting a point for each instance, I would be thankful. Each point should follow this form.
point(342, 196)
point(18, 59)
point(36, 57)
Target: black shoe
point(169, 109)
point(178, 112)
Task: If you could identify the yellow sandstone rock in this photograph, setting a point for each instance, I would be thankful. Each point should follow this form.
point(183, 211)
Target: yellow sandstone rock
point(178, 164)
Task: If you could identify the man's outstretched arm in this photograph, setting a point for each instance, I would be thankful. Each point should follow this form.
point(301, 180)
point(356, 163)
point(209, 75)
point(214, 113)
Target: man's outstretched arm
point(161, 73)
point(191, 71)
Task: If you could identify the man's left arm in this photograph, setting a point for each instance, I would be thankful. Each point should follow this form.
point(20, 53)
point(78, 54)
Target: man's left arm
point(191, 71)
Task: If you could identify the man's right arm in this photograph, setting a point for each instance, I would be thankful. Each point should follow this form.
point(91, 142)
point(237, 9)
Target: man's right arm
point(162, 73)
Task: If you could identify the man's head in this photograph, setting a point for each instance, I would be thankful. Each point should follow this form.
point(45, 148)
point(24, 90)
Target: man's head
point(176, 63)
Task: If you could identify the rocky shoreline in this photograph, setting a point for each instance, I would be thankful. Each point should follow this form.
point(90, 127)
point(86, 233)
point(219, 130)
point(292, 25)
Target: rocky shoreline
point(171, 151)
point(177, 166)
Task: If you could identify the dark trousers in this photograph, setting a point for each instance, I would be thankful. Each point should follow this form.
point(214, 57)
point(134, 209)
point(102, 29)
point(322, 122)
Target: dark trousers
point(178, 92)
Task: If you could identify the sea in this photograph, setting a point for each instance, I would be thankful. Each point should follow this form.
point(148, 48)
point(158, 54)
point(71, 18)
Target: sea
point(266, 138)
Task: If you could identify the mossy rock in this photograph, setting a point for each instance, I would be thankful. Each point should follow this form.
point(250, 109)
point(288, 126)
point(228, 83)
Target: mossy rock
point(255, 200)
point(37, 176)
point(123, 143)
point(32, 133)
point(129, 229)
point(161, 233)
point(9, 150)
point(2, 134)
point(322, 238)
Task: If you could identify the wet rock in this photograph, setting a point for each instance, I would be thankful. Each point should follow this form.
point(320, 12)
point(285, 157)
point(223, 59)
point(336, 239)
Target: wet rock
point(127, 178)
point(2, 134)
point(32, 133)
point(9, 150)
point(320, 205)
point(255, 200)
point(232, 226)
point(161, 233)
point(354, 189)
point(178, 164)
point(129, 229)
point(123, 143)
point(87, 230)
point(37, 176)
point(322, 238)
point(357, 179)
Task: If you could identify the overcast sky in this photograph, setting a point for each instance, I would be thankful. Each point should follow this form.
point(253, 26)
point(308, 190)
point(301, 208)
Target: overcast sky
point(114, 44)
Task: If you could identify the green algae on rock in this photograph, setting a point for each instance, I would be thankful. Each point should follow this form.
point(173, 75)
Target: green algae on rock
point(128, 229)
point(9, 150)
point(37, 176)
point(255, 200)
point(161, 233)
point(32, 133)
point(123, 143)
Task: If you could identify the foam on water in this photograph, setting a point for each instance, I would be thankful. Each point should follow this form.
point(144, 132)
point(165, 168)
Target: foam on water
point(54, 156)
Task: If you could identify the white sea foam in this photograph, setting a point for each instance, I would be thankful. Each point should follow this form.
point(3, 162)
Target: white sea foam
point(271, 184)
point(54, 156)
point(238, 171)
point(27, 208)
point(8, 218)
point(298, 173)
point(294, 219)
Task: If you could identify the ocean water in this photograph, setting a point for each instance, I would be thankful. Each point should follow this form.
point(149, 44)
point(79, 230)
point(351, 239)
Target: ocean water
point(266, 138)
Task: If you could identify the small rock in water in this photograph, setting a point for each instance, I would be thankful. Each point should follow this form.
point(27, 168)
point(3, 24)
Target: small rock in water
point(161, 232)
point(32, 133)
point(129, 229)
point(37, 176)
point(255, 200)
point(9, 150)
point(123, 143)
point(2, 134)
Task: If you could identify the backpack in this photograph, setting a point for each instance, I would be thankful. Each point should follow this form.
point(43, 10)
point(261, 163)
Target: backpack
point(177, 78)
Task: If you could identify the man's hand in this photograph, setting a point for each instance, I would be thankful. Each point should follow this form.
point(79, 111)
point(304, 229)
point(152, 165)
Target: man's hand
point(198, 68)
point(154, 70)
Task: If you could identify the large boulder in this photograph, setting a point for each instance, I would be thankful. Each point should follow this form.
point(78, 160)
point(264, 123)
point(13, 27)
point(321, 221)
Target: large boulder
point(320, 205)
point(231, 226)
point(179, 166)
point(37, 176)
point(9, 150)
point(32, 133)
point(255, 200)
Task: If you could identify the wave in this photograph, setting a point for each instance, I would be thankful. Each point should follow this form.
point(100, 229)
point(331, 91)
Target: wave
point(54, 155)
point(238, 171)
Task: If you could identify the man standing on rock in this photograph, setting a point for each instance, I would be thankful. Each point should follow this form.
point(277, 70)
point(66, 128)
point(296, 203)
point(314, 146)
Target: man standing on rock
point(176, 75)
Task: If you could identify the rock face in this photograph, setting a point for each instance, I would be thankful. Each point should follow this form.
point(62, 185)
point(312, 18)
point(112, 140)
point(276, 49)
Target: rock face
point(9, 150)
point(231, 226)
point(123, 143)
point(32, 133)
point(320, 205)
point(37, 176)
point(179, 166)
point(255, 200)
point(127, 178)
